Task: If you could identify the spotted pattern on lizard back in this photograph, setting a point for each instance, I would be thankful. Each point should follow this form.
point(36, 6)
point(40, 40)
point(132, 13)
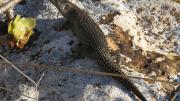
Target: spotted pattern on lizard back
point(91, 35)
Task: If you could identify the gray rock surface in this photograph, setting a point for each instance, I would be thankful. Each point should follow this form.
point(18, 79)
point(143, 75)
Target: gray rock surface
point(52, 46)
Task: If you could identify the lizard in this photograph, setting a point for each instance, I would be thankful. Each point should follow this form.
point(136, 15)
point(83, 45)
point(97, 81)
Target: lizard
point(89, 33)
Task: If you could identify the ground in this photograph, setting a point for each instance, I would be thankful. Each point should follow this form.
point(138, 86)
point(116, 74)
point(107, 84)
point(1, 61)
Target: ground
point(53, 46)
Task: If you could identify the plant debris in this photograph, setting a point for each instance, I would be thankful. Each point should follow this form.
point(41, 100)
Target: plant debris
point(21, 28)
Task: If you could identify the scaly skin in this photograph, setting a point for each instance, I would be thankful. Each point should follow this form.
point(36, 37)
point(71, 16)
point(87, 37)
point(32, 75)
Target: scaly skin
point(92, 36)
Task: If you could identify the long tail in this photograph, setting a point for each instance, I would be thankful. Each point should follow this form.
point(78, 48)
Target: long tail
point(96, 40)
point(110, 66)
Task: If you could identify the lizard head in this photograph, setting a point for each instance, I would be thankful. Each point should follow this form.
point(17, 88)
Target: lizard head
point(64, 6)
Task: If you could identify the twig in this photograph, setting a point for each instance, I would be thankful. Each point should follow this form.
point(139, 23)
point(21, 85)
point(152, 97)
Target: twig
point(8, 5)
point(40, 78)
point(37, 84)
point(116, 75)
point(52, 67)
point(17, 69)
point(15, 92)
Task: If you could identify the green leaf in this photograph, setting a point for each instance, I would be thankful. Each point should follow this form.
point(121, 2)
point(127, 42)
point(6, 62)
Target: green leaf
point(1, 2)
point(21, 28)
